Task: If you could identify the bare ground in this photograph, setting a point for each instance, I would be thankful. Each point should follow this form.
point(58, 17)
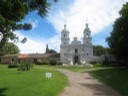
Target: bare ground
point(82, 84)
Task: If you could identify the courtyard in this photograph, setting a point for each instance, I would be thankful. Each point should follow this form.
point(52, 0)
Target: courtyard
point(65, 81)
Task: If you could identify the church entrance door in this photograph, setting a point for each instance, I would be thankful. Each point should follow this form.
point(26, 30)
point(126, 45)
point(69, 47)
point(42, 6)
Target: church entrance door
point(76, 59)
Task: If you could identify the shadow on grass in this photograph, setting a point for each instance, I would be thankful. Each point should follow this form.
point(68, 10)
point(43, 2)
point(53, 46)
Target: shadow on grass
point(2, 91)
point(100, 89)
point(117, 78)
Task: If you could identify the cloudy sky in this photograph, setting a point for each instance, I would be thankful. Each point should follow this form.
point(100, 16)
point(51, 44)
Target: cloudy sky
point(99, 14)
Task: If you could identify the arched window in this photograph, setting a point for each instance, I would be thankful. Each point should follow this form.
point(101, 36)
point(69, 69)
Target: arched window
point(64, 35)
point(76, 50)
point(87, 35)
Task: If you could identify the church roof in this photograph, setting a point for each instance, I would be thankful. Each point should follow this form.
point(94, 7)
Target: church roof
point(75, 41)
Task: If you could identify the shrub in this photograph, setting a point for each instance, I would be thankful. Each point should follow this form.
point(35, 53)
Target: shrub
point(106, 61)
point(59, 63)
point(53, 62)
point(13, 65)
point(25, 66)
point(93, 62)
point(41, 63)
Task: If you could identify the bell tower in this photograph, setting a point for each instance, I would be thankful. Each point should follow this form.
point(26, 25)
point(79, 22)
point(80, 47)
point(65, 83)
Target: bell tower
point(87, 36)
point(64, 45)
point(65, 36)
point(87, 43)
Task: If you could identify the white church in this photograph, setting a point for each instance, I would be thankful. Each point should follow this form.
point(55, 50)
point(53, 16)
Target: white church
point(76, 52)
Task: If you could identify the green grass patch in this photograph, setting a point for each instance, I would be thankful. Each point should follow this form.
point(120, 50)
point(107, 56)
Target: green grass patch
point(115, 77)
point(81, 68)
point(70, 68)
point(74, 68)
point(30, 83)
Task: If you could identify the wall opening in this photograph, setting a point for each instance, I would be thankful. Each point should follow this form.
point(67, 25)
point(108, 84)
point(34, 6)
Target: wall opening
point(76, 50)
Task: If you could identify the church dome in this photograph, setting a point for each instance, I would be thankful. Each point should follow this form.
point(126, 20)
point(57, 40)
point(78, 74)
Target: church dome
point(75, 38)
point(75, 41)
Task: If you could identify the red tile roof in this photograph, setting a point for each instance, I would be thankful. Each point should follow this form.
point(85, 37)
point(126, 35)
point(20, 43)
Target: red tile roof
point(23, 56)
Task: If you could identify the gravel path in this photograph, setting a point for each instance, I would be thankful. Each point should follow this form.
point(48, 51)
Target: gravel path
point(82, 84)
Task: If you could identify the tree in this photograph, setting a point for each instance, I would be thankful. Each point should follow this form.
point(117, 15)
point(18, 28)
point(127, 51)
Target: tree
point(52, 51)
point(118, 40)
point(99, 50)
point(13, 11)
point(49, 50)
point(9, 48)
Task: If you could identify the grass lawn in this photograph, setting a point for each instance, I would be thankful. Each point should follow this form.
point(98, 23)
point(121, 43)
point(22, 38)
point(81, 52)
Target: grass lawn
point(70, 68)
point(116, 78)
point(34, 82)
point(81, 68)
point(30, 83)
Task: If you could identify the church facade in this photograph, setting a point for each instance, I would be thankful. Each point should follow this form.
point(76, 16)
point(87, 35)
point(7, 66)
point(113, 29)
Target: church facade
point(76, 52)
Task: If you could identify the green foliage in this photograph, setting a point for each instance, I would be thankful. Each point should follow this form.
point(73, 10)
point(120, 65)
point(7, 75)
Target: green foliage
point(52, 51)
point(12, 15)
point(9, 48)
point(81, 68)
point(74, 68)
point(25, 66)
point(59, 63)
point(99, 50)
point(106, 61)
point(116, 78)
point(49, 50)
point(41, 6)
point(13, 65)
point(41, 63)
point(118, 39)
point(14, 12)
point(124, 11)
point(53, 62)
point(93, 62)
point(30, 83)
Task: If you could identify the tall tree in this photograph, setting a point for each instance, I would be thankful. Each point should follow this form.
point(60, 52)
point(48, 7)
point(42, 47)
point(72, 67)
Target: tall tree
point(118, 40)
point(9, 48)
point(47, 49)
point(99, 50)
point(13, 11)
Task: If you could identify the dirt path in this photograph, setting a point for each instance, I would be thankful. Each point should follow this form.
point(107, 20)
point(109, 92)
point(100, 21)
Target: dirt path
point(82, 84)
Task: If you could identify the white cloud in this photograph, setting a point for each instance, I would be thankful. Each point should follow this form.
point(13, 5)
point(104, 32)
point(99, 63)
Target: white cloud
point(54, 43)
point(31, 46)
point(34, 23)
point(37, 46)
point(100, 14)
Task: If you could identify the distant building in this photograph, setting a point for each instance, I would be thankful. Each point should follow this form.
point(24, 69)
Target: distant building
point(76, 52)
point(18, 58)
